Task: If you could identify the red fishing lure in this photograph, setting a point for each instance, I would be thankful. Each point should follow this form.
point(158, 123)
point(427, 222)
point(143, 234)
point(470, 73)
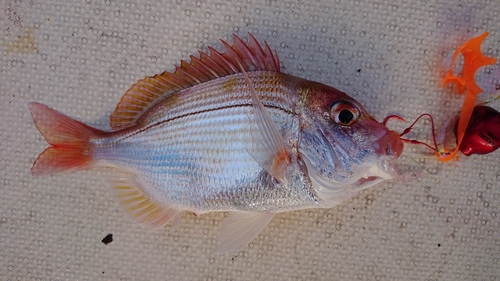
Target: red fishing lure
point(482, 135)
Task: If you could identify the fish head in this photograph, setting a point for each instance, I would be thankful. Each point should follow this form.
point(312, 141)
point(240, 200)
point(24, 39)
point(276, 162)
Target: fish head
point(344, 148)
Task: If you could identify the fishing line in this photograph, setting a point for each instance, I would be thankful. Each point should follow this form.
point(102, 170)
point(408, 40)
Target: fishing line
point(407, 130)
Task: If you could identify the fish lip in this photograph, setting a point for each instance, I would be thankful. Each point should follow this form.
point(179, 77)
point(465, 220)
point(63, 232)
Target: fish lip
point(389, 144)
point(368, 180)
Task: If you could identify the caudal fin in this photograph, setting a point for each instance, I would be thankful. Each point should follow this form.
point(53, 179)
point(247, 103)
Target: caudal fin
point(70, 148)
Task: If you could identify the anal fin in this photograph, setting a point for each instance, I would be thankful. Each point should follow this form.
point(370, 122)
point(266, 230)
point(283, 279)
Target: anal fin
point(240, 228)
point(140, 207)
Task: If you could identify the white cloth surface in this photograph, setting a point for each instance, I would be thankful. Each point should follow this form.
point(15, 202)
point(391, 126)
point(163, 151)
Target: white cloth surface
point(79, 57)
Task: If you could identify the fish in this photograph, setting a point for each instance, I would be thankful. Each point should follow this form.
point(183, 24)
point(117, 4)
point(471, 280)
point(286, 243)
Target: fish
point(226, 132)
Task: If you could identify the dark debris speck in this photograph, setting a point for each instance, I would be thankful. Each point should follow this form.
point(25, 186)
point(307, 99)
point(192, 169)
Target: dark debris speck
point(108, 239)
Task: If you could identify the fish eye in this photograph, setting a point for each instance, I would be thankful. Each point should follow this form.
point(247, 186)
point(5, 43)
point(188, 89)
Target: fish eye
point(344, 113)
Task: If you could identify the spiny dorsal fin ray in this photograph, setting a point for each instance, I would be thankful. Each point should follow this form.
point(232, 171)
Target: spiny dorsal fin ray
point(149, 91)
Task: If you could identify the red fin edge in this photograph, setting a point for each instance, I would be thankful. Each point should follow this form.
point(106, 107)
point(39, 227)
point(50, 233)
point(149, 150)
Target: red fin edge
point(69, 139)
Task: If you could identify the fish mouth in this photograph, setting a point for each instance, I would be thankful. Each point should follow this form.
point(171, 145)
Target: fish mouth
point(383, 170)
point(388, 149)
point(371, 180)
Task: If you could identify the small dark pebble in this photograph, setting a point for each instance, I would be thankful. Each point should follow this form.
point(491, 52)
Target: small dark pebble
point(439, 244)
point(108, 239)
point(359, 70)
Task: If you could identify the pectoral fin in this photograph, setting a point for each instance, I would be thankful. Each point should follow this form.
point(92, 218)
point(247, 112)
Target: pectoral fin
point(271, 152)
point(240, 228)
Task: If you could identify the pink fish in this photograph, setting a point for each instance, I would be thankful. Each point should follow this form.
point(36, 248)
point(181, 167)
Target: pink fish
point(226, 132)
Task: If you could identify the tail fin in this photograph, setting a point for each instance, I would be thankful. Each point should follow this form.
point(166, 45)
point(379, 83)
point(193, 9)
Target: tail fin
point(70, 148)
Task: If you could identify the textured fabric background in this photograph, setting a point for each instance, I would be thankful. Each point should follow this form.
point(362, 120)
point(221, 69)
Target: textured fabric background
point(79, 57)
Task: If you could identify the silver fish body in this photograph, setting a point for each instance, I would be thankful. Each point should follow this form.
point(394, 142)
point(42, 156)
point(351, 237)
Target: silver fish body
point(227, 132)
point(194, 154)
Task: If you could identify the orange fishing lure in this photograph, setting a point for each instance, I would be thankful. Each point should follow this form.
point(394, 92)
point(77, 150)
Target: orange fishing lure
point(473, 60)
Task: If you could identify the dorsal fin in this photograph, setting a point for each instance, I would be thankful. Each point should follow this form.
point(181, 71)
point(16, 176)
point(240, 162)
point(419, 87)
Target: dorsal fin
point(149, 91)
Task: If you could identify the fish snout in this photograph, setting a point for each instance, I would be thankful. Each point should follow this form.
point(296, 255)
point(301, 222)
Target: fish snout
point(390, 144)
